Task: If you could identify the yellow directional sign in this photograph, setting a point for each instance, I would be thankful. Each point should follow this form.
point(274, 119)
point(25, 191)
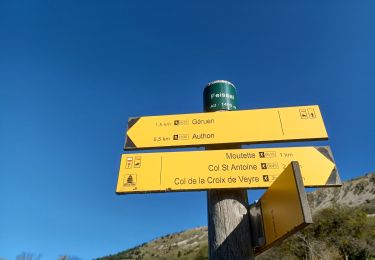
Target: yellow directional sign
point(283, 209)
point(216, 169)
point(242, 126)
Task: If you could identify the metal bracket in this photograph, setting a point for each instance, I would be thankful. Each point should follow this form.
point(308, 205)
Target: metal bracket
point(256, 223)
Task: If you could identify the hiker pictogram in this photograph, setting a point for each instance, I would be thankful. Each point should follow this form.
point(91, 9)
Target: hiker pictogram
point(312, 114)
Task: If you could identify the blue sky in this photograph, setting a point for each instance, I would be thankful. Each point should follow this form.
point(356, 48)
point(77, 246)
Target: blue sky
point(72, 72)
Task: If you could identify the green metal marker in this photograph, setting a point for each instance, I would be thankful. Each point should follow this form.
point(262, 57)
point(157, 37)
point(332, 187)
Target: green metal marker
point(219, 95)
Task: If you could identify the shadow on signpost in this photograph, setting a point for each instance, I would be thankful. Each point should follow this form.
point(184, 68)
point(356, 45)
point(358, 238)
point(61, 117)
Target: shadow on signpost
point(225, 248)
point(233, 229)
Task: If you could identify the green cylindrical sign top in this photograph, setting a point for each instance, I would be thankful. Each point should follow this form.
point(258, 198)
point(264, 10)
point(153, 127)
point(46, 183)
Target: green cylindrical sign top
point(219, 95)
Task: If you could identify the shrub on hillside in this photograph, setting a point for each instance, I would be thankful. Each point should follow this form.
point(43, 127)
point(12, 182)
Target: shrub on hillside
point(338, 232)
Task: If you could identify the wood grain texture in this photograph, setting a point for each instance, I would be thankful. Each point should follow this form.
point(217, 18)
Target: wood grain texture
point(228, 225)
point(229, 229)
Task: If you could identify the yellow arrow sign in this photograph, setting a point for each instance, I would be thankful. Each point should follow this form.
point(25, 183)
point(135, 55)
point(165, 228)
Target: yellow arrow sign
point(216, 169)
point(242, 126)
point(283, 209)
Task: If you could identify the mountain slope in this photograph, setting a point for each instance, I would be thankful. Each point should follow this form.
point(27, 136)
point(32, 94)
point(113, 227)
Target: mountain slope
point(356, 192)
point(192, 244)
point(189, 244)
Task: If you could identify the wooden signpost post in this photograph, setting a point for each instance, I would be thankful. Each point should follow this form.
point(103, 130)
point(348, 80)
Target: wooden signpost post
point(229, 230)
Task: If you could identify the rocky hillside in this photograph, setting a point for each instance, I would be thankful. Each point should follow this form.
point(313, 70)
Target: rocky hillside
point(192, 244)
point(356, 192)
point(186, 245)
